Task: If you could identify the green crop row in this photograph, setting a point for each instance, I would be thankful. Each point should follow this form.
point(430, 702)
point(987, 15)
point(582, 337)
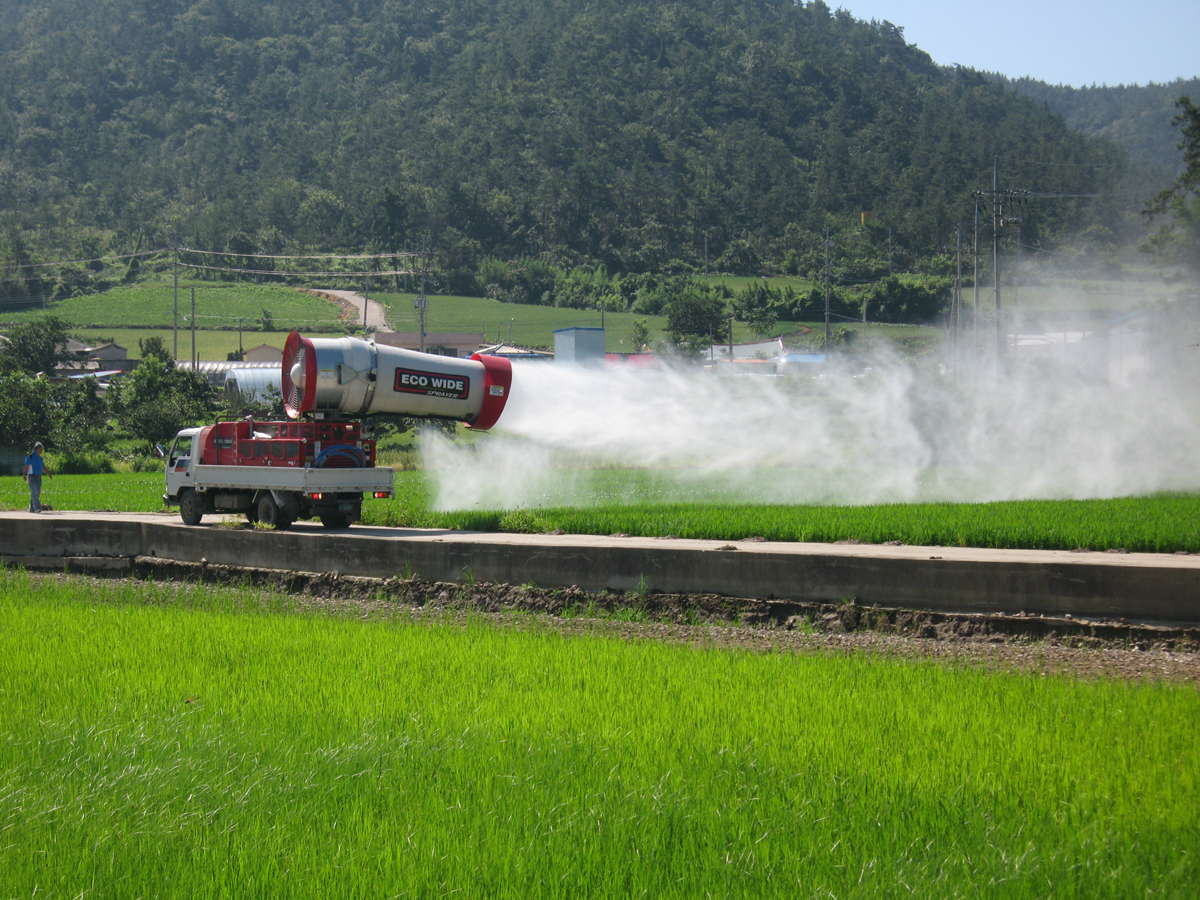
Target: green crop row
point(217, 306)
point(1165, 523)
point(185, 741)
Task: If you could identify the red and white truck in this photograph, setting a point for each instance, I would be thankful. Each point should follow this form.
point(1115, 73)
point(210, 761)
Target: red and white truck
point(320, 462)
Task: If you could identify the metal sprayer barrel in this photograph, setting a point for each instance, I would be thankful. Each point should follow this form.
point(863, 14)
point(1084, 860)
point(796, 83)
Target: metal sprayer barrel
point(354, 377)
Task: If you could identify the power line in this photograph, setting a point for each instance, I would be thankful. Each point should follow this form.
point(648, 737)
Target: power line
point(74, 262)
point(1055, 196)
point(145, 253)
point(1048, 165)
point(321, 256)
point(286, 274)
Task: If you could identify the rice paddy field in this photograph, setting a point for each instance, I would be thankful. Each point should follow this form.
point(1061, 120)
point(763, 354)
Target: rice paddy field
point(151, 304)
point(1165, 523)
point(188, 741)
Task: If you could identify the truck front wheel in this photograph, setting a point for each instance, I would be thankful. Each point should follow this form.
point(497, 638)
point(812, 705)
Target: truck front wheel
point(189, 507)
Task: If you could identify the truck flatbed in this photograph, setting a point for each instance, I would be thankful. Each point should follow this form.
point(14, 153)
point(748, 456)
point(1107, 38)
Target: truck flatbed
point(293, 478)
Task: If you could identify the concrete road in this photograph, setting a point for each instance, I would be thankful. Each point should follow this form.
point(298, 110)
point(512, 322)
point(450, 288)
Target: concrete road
point(353, 302)
point(1140, 586)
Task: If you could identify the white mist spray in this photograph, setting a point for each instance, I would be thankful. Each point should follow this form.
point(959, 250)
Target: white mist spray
point(894, 434)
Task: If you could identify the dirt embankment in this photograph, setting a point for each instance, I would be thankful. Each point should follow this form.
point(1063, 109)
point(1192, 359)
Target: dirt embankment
point(1032, 643)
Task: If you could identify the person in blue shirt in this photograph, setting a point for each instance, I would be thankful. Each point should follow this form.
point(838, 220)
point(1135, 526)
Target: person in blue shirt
point(35, 467)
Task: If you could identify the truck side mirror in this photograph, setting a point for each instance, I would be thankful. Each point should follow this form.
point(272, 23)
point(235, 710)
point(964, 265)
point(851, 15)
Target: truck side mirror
point(159, 451)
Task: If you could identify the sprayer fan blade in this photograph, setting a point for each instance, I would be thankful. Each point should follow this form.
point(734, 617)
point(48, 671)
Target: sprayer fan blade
point(296, 396)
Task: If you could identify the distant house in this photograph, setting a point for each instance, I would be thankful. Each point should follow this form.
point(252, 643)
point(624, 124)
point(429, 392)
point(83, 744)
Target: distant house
point(81, 350)
point(264, 353)
point(508, 351)
point(76, 348)
point(102, 361)
point(108, 351)
point(580, 346)
point(440, 343)
point(769, 349)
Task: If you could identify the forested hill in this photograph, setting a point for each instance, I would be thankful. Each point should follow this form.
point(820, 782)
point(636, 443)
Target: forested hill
point(1135, 117)
point(620, 132)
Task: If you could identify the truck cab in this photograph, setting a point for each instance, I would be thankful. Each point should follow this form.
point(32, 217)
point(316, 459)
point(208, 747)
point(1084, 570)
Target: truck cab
point(183, 452)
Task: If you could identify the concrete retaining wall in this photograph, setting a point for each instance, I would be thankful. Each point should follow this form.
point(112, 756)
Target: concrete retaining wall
point(1134, 586)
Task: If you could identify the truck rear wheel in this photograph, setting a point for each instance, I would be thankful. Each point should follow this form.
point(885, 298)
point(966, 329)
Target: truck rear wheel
point(189, 507)
point(270, 514)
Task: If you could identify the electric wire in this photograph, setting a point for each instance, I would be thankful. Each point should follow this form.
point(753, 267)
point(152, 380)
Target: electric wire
point(286, 274)
point(321, 256)
point(76, 262)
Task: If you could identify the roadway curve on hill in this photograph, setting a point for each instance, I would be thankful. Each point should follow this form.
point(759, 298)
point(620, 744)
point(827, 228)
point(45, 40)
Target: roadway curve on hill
point(352, 303)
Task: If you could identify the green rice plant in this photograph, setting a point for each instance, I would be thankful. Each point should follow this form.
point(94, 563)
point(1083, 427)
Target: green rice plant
point(185, 741)
point(523, 521)
point(120, 492)
point(1162, 523)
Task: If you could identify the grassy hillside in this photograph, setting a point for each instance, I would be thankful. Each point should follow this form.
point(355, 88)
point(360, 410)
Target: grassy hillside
point(639, 136)
point(136, 312)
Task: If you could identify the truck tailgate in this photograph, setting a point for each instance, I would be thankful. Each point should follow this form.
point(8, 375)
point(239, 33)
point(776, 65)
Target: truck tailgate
point(287, 478)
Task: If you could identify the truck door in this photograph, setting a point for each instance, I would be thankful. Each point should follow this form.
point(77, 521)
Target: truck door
point(179, 461)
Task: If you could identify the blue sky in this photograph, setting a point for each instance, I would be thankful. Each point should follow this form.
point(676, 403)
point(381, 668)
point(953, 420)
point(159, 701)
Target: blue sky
point(1058, 41)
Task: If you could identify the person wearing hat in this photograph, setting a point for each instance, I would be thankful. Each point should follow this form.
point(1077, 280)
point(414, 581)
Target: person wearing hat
point(35, 467)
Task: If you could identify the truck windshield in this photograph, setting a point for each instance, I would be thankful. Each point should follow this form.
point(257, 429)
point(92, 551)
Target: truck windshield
point(181, 449)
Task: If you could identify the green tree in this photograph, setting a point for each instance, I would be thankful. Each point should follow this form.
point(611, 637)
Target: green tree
point(909, 299)
point(157, 399)
point(78, 416)
point(639, 335)
point(24, 409)
point(36, 346)
point(758, 306)
point(1179, 238)
point(154, 348)
point(694, 316)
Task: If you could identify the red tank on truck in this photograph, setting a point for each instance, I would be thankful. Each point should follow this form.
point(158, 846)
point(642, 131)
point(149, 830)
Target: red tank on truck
point(319, 463)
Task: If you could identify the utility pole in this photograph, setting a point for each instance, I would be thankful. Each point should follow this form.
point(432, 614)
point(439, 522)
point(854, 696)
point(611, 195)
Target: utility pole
point(366, 301)
point(422, 302)
point(975, 288)
point(175, 274)
point(998, 197)
point(1017, 270)
point(827, 295)
point(997, 218)
point(956, 303)
point(890, 272)
point(195, 360)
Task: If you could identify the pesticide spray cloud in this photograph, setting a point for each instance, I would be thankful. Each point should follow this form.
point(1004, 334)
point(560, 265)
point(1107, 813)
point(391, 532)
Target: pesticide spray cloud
point(894, 432)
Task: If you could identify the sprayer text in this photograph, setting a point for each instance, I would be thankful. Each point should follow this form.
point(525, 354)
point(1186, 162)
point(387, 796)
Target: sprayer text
point(411, 382)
